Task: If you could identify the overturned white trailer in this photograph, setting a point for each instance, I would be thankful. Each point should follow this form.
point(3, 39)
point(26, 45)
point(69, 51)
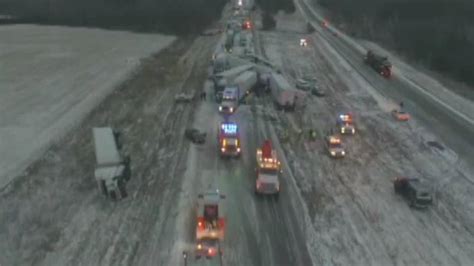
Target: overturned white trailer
point(112, 170)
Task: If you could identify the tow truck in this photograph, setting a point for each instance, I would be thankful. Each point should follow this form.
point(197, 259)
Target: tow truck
point(345, 124)
point(335, 147)
point(210, 216)
point(268, 170)
point(229, 139)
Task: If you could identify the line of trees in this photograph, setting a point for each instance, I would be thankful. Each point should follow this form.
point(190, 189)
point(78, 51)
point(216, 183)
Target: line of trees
point(438, 33)
point(169, 16)
point(270, 8)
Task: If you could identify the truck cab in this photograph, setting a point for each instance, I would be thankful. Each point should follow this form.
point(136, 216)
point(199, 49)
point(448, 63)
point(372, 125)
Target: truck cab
point(379, 63)
point(335, 146)
point(345, 124)
point(230, 98)
point(210, 216)
point(112, 169)
point(414, 190)
point(229, 140)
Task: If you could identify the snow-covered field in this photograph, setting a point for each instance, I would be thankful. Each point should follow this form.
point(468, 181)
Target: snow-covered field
point(51, 77)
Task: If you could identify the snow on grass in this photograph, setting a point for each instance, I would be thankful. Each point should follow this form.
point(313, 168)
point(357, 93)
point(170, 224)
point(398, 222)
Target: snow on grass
point(51, 77)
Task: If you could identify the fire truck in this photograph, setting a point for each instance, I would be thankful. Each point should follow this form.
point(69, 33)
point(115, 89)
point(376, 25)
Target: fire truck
point(268, 170)
point(210, 216)
point(229, 140)
point(345, 124)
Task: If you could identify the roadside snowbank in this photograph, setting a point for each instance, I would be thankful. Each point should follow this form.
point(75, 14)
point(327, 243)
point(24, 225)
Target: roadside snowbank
point(51, 77)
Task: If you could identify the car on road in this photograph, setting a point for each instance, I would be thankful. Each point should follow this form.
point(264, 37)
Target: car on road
point(416, 191)
point(303, 42)
point(195, 136)
point(345, 123)
point(335, 147)
point(311, 85)
point(401, 115)
point(184, 97)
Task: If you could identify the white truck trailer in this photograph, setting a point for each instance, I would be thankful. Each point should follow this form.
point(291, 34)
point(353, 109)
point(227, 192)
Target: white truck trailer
point(224, 78)
point(112, 170)
point(285, 96)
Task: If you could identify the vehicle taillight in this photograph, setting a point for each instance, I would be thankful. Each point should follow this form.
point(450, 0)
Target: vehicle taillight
point(201, 223)
point(209, 251)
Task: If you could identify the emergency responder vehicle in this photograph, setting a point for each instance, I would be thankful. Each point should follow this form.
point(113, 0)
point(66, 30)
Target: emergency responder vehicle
point(207, 247)
point(268, 170)
point(335, 146)
point(345, 124)
point(229, 140)
point(210, 216)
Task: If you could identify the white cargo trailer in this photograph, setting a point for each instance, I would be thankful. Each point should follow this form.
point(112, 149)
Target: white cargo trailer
point(285, 96)
point(112, 170)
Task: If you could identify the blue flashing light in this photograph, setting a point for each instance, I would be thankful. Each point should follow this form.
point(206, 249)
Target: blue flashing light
point(229, 128)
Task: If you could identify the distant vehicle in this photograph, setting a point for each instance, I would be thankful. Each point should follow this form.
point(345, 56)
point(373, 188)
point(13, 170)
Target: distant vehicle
point(112, 170)
point(303, 42)
point(268, 170)
point(184, 97)
point(229, 140)
point(400, 115)
point(414, 190)
point(379, 63)
point(195, 136)
point(345, 124)
point(308, 84)
point(247, 25)
point(208, 247)
point(211, 216)
point(335, 147)
point(225, 78)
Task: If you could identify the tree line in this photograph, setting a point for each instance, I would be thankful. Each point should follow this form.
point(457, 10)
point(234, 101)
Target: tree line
point(438, 33)
point(168, 16)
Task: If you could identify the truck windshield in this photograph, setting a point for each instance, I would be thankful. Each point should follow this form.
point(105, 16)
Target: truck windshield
point(210, 212)
point(268, 171)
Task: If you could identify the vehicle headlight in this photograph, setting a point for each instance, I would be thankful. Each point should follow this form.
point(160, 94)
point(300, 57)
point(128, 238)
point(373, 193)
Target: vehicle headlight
point(199, 246)
point(353, 131)
point(231, 109)
point(333, 153)
point(222, 149)
point(342, 130)
point(343, 152)
point(220, 108)
point(238, 149)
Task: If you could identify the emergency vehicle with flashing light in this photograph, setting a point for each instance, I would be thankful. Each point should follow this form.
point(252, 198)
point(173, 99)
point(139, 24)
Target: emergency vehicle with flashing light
point(268, 170)
point(229, 140)
point(345, 124)
point(210, 216)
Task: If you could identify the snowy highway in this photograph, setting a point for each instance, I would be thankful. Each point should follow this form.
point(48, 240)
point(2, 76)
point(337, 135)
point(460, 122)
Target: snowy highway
point(330, 212)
